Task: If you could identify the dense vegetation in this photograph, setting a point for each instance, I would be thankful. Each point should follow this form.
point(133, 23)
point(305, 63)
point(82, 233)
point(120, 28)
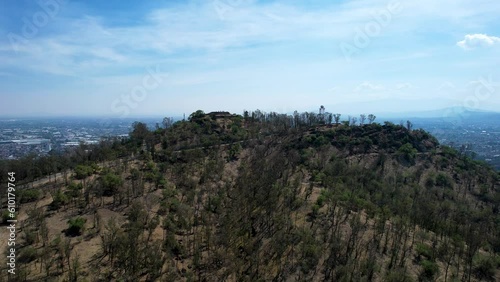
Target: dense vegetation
point(263, 197)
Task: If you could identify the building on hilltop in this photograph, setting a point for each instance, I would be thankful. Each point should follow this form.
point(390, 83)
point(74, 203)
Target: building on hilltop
point(220, 114)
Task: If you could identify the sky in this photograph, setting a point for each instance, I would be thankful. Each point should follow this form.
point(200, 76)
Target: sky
point(166, 58)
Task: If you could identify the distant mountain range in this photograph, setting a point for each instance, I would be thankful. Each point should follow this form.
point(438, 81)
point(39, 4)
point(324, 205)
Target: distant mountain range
point(415, 108)
point(443, 114)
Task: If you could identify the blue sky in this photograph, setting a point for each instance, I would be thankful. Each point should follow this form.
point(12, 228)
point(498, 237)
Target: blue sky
point(68, 57)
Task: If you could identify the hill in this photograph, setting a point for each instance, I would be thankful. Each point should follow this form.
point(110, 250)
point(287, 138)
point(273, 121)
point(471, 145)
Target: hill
point(260, 197)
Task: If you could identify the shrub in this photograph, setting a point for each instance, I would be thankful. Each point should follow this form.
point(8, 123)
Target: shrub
point(234, 151)
point(27, 255)
point(321, 140)
point(30, 236)
point(367, 143)
point(83, 171)
point(429, 270)
point(59, 199)
point(314, 212)
point(407, 152)
point(6, 216)
point(319, 177)
point(425, 251)
point(29, 195)
point(310, 253)
point(111, 183)
point(430, 182)
point(149, 176)
point(320, 201)
point(484, 268)
point(443, 180)
point(449, 151)
point(74, 190)
point(76, 226)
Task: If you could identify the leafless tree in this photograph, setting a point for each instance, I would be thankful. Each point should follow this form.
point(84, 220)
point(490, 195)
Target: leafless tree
point(168, 122)
point(329, 118)
point(321, 115)
point(409, 125)
point(362, 118)
point(336, 117)
point(371, 118)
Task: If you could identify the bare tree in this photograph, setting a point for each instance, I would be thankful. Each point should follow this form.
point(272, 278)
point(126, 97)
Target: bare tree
point(371, 118)
point(409, 125)
point(321, 115)
point(329, 118)
point(336, 117)
point(168, 122)
point(362, 118)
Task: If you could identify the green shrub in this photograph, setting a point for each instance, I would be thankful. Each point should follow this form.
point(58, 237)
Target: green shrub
point(29, 195)
point(430, 182)
point(30, 237)
point(149, 176)
point(321, 200)
point(83, 171)
point(59, 199)
point(429, 270)
point(449, 151)
point(310, 253)
point(319, 141)
point(443, 180)
point(484, 268)
point(234, 151)
point(425, 251)
point(76, 226)
point(112, 182)
point(74, 190)
point(27, 255)
point(319, 177)
point(6, 216)
point(407, 152)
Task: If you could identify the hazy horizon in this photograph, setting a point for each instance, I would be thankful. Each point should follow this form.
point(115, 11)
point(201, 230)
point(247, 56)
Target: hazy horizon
point(104, 59)
point(451, 112)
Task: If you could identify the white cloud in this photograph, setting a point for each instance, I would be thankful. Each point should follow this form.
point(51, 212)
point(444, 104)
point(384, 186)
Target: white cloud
point(472, 41)
point(89, 43)
point(242, 53)
point(369, 87)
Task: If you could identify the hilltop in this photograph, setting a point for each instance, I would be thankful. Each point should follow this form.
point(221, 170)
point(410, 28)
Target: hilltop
point(260, 197)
